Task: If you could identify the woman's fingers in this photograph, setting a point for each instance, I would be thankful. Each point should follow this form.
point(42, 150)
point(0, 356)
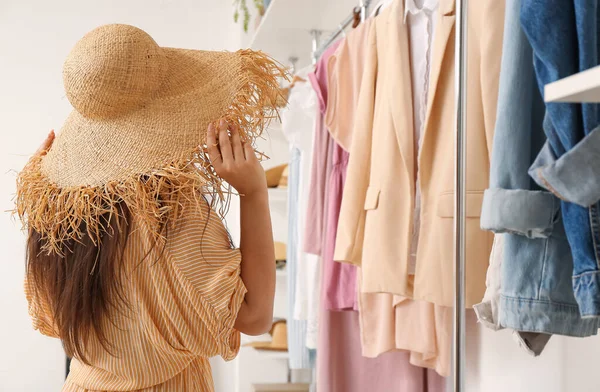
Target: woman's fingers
point(238, 149)
point(213, 147)
point(249, 152)
point(225, 143)
point(225, 152)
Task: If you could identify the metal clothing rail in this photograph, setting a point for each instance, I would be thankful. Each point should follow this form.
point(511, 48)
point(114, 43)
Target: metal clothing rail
point(363, 5)
point(460, 58)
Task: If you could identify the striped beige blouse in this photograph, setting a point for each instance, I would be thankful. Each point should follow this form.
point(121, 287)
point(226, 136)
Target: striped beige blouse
point(184, 300)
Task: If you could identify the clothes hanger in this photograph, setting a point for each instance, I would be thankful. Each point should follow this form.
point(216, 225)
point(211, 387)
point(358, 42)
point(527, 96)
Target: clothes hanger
point(380, 6)
point(356, 14)
point(297, 78)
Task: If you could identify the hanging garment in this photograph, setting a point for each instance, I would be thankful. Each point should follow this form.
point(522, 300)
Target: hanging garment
point(382, 5)
point(565, 40)
point(321, 161)
point(388, 322)
point(344, 73)
point(376, 218)
point(339, 355)
point(488, 310)
point(298, 117)
point(420, 16)
point(321, 168)
point(339, 361)
point(536, 289)
point(299, 356)
point(298, 124)
point(342, 368)
point(339, 280)
point(345, 69)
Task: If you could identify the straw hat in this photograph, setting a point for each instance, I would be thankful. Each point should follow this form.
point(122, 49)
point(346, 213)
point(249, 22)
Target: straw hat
point(136, 134)
point(275, 175)
point(280, 251)
point(278, 338)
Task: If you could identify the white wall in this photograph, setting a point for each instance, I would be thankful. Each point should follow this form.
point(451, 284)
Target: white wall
point(581, 360)
point(35, 37)
point(496, 364)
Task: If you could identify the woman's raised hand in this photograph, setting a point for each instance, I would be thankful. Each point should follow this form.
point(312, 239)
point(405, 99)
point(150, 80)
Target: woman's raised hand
point(235, 161)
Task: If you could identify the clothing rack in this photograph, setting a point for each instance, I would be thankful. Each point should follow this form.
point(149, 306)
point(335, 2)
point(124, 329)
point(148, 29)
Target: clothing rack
point(363, 7)
point(460, 58)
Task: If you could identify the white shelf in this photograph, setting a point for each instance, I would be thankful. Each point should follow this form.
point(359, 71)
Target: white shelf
point(285, 28)
point(249, 339)
point(264, 354)
point(268, 354)
point(581, 87)
point(274, 354)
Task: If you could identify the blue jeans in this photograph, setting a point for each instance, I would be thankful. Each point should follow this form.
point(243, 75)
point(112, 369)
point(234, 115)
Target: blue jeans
point(564, 38)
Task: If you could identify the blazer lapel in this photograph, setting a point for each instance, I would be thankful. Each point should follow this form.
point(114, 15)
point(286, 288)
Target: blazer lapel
point(444, 29)
point(397, 63)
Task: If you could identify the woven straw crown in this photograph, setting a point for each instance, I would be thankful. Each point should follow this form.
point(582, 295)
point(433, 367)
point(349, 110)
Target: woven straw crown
point(141, 113)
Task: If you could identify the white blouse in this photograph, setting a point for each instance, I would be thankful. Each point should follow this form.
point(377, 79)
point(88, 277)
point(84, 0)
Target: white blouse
point(421, 18)
point(298, 123)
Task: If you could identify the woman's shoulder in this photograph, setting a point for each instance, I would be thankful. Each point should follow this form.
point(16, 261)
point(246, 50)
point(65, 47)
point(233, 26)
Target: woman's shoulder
point(188, 220)
point(199, 218)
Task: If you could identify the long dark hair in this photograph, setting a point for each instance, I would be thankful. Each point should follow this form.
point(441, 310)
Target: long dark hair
point(82, 285)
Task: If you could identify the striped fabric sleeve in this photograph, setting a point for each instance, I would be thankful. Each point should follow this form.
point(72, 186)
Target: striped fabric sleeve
point(209, 271)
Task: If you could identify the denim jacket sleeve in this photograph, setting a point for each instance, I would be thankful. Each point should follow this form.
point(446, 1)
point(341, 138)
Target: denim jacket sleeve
point(514, 203)
point(564, 35)
point(575, 176)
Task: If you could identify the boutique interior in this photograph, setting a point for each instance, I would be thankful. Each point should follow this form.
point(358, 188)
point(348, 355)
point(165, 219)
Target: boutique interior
point(434, 229)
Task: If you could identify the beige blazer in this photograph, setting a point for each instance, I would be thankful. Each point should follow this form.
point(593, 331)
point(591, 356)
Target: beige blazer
point(375, 227)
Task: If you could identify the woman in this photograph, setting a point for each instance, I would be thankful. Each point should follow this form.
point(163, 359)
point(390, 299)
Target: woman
point(127, 262)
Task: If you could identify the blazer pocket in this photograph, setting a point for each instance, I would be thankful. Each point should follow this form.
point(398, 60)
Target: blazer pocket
point(445, 205)
point(372, 198)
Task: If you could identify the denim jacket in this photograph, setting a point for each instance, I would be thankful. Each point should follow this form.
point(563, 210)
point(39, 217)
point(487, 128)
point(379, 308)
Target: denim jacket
point(564, 37)
point(536, 290)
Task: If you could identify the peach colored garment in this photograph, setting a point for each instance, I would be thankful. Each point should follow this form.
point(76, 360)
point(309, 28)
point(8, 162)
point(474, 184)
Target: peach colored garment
point(390, 323)
point(379, 197)
point(341, 367)
point(345, 70)
point(184, 302)
point(410, 326)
